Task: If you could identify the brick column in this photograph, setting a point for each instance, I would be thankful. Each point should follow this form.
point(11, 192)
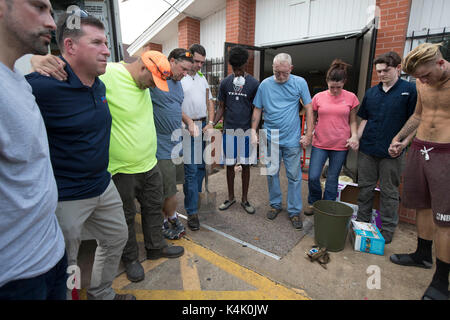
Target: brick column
point(240, 25)
point(153, 46)
point(394, 19)
point(188, 32)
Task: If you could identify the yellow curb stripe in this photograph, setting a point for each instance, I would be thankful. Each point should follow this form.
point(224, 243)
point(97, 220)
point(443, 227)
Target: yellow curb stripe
point(265, 285)
point(122, 281)
point(189, 274)
point(197, 295)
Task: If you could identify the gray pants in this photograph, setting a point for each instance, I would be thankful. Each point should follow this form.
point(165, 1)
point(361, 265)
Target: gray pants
point(103, 219)
point(388, 172)
point(147, 188)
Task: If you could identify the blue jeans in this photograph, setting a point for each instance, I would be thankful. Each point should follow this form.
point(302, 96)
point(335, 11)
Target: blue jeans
point(291, 158)
point(316, 163)
point(51, 285)
point(193, 175)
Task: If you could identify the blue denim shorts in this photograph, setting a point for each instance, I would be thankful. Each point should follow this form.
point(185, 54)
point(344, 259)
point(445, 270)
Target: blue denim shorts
point(235, 148)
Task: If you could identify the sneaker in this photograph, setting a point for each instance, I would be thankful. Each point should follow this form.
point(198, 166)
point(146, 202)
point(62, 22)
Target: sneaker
point(177, 226)
point(135, 271)
point(272, 213)
point(169, 233)
point(193, 222)
point(296, 222)
point(309, 210)
point(124, 297)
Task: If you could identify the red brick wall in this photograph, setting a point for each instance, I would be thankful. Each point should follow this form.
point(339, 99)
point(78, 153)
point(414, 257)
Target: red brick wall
point(394, 19)
point(188, 32)
point(240, 25)
point(153, 46)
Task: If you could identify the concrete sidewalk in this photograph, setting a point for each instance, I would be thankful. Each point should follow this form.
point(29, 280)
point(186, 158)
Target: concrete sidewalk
point(349, 274)
point(243, 243)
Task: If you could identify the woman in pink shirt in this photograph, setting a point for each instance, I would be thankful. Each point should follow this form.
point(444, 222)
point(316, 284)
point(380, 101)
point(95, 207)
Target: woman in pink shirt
point(335, 131)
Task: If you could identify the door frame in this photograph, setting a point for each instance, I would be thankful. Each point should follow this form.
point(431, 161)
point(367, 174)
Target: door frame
point(229, 45)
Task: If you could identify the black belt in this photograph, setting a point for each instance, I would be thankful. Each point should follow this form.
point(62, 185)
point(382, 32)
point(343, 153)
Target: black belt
point(200, 119)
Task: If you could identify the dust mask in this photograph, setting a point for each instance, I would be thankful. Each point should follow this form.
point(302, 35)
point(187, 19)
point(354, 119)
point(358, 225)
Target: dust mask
point(239, 81)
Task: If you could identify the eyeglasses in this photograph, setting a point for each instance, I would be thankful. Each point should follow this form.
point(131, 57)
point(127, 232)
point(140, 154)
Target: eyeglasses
point(281, 73)
point(164, 75)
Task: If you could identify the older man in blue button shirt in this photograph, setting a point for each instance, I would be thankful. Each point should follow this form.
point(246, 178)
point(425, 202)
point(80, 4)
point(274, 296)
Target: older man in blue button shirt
point(384, 110)
point(279, 98)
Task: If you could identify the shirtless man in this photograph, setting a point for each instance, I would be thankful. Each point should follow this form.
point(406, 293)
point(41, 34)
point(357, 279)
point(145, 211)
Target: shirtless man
point(427, 171)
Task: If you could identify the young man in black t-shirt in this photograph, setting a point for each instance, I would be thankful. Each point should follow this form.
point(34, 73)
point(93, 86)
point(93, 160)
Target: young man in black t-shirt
point(235, 97)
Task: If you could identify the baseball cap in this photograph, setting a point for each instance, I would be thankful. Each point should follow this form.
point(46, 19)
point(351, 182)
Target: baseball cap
point(159, 66)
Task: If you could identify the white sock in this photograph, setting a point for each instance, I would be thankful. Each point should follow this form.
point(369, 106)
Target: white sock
point(174, 216)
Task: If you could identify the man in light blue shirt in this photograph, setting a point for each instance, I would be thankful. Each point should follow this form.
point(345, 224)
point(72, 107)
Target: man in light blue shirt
point(279, 97)
point(32, 255)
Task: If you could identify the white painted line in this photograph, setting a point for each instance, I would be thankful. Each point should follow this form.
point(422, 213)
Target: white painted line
point(248, 245)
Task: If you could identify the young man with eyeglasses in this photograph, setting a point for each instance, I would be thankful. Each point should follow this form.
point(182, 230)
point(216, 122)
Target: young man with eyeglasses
point(78, 122)
point(384, 110)
point(168, 118)
point(32, 260)
point(198, 115)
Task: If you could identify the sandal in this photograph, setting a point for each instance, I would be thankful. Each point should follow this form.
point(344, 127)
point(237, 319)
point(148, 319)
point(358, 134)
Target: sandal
point(434, 294)
point(226, 204)
point(406, 260)
point(248, 207)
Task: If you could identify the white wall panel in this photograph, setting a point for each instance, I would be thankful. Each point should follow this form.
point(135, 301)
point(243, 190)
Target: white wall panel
point(213, 34)
point(169, 44)
point(427, 16)
point(432, 14)
point(283, 21)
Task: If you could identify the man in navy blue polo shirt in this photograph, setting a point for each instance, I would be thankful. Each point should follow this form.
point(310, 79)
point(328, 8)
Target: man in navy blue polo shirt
point(78, 123)
point(384, 110)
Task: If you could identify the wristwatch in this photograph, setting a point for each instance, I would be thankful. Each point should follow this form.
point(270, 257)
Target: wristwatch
point(211, 123)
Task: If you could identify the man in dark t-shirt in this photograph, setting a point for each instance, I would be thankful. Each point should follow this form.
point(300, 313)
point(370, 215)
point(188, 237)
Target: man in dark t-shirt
point(235, 97)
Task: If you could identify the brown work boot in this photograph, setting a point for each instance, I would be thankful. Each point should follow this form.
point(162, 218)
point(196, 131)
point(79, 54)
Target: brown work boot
point(309, 210)
point(272, 213)
point(193, 222)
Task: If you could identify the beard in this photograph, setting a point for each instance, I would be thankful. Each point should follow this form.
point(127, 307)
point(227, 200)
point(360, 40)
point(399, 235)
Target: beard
point(280, 81)
point(35, 44)
point(27, 41)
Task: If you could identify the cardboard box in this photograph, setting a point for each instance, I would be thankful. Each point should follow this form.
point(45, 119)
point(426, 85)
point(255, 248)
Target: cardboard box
point(375, 219)
point(367, 237)
point(348, 194)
